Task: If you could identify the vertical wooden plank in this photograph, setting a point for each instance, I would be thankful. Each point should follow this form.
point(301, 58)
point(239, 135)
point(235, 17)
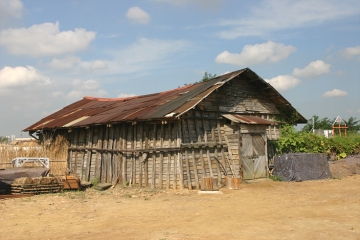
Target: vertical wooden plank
point(202, 162)
point(89, 154)
point(168, 171)
point(153, 170)
point(266, 157)
point(83, 160)
point(189, 130)
point(141, 126)
point(221, 142)
point(76, 153)
point(231, 157)
point(133, 157)
point(241, 164)
point(217, 166)
point(161, 157)
point(70, 165)
point(120, 159)
point(179, 157)
point(105, 156)
point(98, 154)
point(153, 158)
point(195, 170)
point(111, 154)
point(213, 139)
point(188, 170)
point(207, 148)
point(198, 131)
point(124, 146)
point(168, 158)
point(183, 130)
point(212, 131)
point(146, 146)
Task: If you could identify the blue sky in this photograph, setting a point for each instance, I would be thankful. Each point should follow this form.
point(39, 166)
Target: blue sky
point(53, 53)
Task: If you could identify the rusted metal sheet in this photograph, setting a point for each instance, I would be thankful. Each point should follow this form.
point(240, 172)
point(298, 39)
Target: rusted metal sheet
point(168, 104)
point(247, 119)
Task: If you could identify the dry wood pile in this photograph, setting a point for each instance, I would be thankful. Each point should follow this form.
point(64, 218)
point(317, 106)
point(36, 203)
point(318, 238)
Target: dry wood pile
point(36, 185)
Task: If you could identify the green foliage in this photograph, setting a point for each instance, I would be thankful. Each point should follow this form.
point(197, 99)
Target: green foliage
point(275, 178)
point(288, 116)
point(3, 139)
point(207, 76)
point(323, 124)
point(326, 124)
point(303, 142)
point(95, 182)
point(353, 125)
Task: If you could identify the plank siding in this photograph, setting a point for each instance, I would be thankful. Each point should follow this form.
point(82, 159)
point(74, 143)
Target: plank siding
point(171, 155)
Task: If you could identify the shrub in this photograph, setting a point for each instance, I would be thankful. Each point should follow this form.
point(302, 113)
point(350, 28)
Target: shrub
point(302, 142)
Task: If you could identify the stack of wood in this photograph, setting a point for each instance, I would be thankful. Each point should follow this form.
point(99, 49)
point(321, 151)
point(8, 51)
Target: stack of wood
point(36, 185)
point(71, 182)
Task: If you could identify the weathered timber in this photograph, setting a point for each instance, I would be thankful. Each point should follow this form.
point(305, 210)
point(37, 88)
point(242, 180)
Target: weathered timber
point(195, 170)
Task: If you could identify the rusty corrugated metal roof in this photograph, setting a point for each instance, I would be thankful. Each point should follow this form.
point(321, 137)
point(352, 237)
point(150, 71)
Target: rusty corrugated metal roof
point(247, 119)
point(169, 104)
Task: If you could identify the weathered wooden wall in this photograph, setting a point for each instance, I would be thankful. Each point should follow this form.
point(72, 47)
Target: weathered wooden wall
point(175, 154)
point(241, 96)
point(170, 155)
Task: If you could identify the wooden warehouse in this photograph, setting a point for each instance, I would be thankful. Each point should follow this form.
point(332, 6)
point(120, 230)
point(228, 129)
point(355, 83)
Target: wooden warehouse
point(173, 139)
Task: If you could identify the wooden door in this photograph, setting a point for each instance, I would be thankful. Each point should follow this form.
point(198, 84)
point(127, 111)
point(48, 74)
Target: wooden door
point(254, 155)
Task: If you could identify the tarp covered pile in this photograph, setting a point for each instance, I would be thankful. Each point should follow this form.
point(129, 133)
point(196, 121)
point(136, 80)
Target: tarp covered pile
point(301, 167)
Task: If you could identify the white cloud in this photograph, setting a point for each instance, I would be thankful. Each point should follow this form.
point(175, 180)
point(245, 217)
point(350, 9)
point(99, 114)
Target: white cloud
point(10, 9)
point(283, 82)
point(125, 95)
point(314, 69)
point(21, 76)
point(98, 64)
point(67, 62)
point(335, 93)
point(256, 54)
point(351, 52)
point(270, 16)
point(145, 54)
point(45, 40)
point(206, 4)
point(83, 88)
point(138, 15)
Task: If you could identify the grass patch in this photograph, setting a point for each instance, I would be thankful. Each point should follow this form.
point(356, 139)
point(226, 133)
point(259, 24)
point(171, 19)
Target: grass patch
point(275, 178)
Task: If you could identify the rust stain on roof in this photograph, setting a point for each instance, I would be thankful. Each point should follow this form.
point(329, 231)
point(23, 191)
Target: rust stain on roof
point(168, 104)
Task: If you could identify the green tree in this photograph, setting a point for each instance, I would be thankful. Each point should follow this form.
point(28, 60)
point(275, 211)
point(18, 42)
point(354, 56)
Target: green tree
point(207, 76)
point(3, 139)
point(353, 124)
point(324, 123)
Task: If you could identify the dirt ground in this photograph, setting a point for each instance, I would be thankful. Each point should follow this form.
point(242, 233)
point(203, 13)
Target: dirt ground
point(262, 209)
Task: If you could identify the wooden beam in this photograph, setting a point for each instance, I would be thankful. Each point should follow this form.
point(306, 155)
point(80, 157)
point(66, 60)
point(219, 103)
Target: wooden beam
point(124, 145)
point(179, 157)
point(169, 158)
point(195, 170)
point(188, 170)
point(141, 162)
point(231, 157)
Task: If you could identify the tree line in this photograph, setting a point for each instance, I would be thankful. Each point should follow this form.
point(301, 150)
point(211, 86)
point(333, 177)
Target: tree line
point(326, 124)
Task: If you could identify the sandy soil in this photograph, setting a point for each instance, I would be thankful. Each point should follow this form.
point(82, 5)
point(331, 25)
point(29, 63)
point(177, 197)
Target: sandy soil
point(326, 209)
